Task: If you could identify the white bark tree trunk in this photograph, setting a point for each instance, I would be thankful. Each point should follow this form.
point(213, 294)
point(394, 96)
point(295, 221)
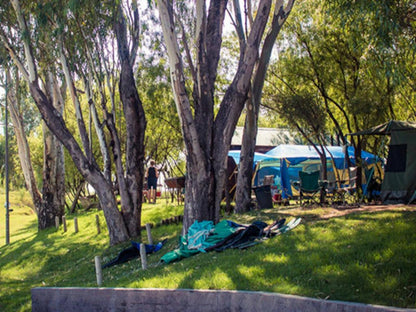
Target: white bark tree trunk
point(53, 188)
point(208, 136)
point(244, 178)
point(98, 126)
point(22, 143)
point(77, 105)
point(87, 167)
point(50, 202)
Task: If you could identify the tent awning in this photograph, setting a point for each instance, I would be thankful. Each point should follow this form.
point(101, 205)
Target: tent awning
point(300, 153)
point(257, 156)
point(388, 127)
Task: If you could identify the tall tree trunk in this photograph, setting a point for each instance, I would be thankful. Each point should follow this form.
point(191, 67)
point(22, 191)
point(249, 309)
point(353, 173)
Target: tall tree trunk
point(50, 202)
point(117, 230)
point(208, 138)
point(245, 171)
point(136, 126)
point(244, 178)
point(98, 128)
point(22, 144)
point(53, 189)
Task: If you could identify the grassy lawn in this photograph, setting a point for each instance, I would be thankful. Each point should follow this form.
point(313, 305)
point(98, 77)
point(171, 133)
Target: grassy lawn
point(367, 256)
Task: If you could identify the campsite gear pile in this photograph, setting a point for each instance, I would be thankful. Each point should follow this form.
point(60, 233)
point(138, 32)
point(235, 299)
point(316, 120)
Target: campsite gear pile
point(205, 236)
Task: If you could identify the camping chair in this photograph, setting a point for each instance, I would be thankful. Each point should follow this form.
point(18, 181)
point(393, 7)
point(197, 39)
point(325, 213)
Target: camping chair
point(309, 184)
point(331, 183)
point(350, 185)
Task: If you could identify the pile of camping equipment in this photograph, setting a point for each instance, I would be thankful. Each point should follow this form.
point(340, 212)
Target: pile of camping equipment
point(204, 236)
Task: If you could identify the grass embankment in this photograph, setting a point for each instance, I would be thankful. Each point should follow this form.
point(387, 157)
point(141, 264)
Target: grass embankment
point(366, 257)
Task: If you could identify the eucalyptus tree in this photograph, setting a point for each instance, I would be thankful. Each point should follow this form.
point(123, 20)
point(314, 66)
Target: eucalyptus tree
point(22, 143)
point(353, 55)
point(245, 171)
point(208, 121)
point(49, 200)
point(34, 22)
point(341, 58)
point(390, 28)
point(320, 60)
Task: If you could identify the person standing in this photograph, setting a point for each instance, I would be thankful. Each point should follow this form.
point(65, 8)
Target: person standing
point(152, 175)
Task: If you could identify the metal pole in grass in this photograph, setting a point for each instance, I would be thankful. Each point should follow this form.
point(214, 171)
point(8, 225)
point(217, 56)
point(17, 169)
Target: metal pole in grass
point(6, 162)
point(98, 271)
point(149, 234)
point(143, 256)
point(57, 222)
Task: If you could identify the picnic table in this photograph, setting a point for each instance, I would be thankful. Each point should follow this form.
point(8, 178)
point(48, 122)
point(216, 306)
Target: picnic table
point(176, 185)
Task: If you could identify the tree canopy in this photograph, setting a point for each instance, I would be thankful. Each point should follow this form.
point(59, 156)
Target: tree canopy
point(118, 83)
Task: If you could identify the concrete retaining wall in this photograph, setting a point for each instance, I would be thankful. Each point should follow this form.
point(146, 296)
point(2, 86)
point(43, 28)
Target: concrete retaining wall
point(182, 300)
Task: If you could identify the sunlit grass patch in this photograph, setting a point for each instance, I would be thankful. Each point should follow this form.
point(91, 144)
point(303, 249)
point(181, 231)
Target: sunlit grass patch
point(216, 279)
point(155, 213)
point(361, 257)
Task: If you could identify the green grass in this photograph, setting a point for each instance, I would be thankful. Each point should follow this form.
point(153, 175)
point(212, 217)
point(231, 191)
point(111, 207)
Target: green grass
point(362, 257)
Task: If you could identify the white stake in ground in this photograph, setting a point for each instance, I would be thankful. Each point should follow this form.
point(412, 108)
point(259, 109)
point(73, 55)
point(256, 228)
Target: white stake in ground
point(98, 271)
point(143, 256)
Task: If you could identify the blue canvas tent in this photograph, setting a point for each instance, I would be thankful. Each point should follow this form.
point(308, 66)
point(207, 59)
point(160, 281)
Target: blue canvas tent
point(236, 156)
point(300, 153)
point(286, 161)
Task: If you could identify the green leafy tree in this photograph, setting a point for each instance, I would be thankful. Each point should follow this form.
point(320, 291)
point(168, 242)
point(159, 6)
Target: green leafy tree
point(74, 47)
point(349, 60)
point(163, 138)
point(245, 172)
point(207, 120)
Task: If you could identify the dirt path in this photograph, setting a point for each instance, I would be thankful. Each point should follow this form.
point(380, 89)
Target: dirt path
point(324, 213)
point(345, 210)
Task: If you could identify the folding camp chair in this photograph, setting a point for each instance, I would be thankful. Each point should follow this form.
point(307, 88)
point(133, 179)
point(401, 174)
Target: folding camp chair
point(331, 184)
point(350, 185)
point(309, 184)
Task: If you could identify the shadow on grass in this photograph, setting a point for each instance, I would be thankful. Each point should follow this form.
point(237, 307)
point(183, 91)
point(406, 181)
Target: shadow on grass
point(365, 258)
point(47, 258)
point(362, 257)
